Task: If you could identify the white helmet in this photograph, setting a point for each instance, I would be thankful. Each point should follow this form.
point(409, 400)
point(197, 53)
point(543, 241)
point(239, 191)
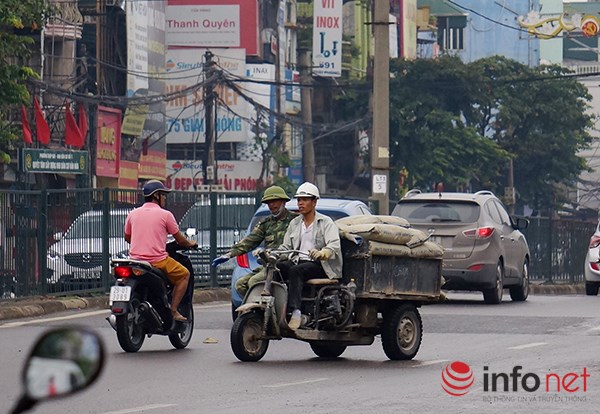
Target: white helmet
point(307, 190)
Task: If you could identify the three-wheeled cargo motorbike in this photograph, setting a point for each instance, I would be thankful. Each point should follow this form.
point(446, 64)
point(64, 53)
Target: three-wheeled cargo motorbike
point(376, 295)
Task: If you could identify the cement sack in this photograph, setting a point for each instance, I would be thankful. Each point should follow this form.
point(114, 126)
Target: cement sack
point(386, 233)
point(427, 250)
point(386, 249)
point(373, 219)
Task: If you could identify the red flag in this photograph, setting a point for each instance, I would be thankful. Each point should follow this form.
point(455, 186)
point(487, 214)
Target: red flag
point(72, 132)
point(83, 123)
point(25, 125)
point(41, 126)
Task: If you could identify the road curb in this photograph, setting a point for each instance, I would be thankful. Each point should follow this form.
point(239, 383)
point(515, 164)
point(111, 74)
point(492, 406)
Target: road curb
point(32, 307)
point(557, 289)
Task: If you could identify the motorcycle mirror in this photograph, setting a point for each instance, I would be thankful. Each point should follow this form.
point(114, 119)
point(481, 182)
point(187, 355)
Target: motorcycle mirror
point(62, 362)
point(191, 232)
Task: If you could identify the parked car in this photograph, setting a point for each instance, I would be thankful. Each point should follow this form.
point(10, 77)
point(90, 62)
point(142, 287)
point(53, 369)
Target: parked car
point(484, 249)
point(230, 222)
point(76, 258)
point(592, 265)
point(334, 208)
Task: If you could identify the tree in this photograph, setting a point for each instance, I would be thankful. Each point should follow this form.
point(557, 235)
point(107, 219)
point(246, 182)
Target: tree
point(19, 20)
point(460, 123)
point(429, 135)
point(539, 115)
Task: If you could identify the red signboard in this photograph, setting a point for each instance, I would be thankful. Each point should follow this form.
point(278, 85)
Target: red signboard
point(153, 165)
point(108, 142)
point(249, 26)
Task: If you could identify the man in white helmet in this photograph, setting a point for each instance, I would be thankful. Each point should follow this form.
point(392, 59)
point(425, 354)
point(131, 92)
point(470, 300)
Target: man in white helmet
point(317, 235)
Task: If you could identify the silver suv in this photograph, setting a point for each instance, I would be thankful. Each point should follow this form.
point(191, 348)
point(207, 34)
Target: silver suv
point(483, 247)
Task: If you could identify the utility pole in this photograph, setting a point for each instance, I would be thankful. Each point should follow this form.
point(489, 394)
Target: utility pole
point(380, 157)
point(208, 164)
point(308, 149)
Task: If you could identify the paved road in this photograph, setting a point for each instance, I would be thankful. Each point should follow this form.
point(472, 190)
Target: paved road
point(546, 334)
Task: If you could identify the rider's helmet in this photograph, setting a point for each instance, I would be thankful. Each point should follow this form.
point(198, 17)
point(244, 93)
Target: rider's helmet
point(307, 190)
point(274, 193)
point(154, 186)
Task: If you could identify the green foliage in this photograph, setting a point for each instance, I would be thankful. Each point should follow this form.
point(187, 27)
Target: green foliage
point(460, 124)
point(23, 17)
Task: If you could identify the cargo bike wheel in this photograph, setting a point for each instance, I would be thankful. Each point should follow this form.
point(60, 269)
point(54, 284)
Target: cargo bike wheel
point(246, 334)
point(327, 350)
point(402, 332)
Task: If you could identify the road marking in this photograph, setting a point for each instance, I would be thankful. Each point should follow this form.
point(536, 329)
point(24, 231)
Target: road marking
point(291, 384)
point(531, 345)
point(57, 318)
point(140, 409)
point(432, 362)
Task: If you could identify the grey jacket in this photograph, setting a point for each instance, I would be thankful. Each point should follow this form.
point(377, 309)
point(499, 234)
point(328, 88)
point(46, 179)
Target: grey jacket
point(326, 235)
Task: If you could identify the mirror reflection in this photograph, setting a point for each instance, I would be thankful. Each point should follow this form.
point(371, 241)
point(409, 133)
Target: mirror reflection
point(63, 361)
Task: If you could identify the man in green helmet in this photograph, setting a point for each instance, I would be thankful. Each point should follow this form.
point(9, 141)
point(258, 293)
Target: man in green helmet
point(270, 231)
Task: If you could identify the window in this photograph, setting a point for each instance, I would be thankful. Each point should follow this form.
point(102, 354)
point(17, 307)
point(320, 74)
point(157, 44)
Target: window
point(451, 34)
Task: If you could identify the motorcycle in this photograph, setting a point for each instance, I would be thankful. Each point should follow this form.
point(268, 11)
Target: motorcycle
point(63, 361)
point(377, 295)
point(140, 302)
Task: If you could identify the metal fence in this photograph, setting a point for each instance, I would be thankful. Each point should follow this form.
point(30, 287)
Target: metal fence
point(60, 241)
point(558, 248)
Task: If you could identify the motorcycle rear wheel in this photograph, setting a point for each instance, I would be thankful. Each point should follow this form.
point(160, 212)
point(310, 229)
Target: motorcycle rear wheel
point(245, 334)
point(130, 331)
point(327, 350)
point(181, 340)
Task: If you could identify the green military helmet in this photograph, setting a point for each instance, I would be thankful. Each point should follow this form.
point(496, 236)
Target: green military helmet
point(274, 193)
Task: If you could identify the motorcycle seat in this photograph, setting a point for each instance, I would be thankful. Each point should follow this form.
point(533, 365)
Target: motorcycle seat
point(321, 282)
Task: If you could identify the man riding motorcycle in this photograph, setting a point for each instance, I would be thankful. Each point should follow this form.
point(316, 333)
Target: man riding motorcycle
point(147, 228)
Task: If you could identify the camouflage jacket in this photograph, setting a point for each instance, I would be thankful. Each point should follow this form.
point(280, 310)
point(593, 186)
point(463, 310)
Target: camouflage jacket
point(270, 230)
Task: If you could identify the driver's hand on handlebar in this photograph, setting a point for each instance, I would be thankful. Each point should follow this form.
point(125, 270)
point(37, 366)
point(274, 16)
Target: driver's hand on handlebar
point(221, 259)
point(323, 254)
point(256, 252)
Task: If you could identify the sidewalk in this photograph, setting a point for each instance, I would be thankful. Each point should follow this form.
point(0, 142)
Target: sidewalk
point(38, 306)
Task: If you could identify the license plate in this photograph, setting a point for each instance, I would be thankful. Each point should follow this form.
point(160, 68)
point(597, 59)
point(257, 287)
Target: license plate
point(442, 241)
point(92, 274)
point(120, 293)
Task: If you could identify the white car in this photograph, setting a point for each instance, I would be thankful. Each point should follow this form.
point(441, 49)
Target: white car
point(76, 258)
point(592, 264)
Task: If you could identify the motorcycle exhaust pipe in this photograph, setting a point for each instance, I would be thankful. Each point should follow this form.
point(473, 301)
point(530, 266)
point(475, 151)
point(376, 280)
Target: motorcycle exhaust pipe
point(112, 320)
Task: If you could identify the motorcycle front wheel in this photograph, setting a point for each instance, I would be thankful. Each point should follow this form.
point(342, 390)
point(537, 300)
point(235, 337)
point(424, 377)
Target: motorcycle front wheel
point(181, 340)
point(246, 342)
point(130, 331)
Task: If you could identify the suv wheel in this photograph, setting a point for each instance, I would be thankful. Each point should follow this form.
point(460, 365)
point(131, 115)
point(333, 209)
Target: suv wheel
point(520, 292)
point(493, 296)
point(591, 288)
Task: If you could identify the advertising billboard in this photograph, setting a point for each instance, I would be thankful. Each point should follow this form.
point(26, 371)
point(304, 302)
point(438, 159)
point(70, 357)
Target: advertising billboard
point(108, 142)
point(211, 23)
point(186, 113)
point(234, 176)
point(327, 38)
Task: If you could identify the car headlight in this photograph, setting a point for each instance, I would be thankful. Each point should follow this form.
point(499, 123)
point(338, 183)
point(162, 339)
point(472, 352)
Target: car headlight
point(122, 254)
point(53, 254)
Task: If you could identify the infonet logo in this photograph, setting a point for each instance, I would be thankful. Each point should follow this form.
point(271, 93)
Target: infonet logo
point(457, 378)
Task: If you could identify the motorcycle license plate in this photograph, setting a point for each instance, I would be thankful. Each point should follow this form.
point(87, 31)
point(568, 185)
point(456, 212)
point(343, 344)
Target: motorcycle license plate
point(120, 293)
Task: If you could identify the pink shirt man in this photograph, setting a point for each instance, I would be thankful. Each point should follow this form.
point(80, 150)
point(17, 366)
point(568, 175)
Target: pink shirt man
point(149, 226)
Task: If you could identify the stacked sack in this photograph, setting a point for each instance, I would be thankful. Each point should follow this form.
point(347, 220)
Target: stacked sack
point(389, 236)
